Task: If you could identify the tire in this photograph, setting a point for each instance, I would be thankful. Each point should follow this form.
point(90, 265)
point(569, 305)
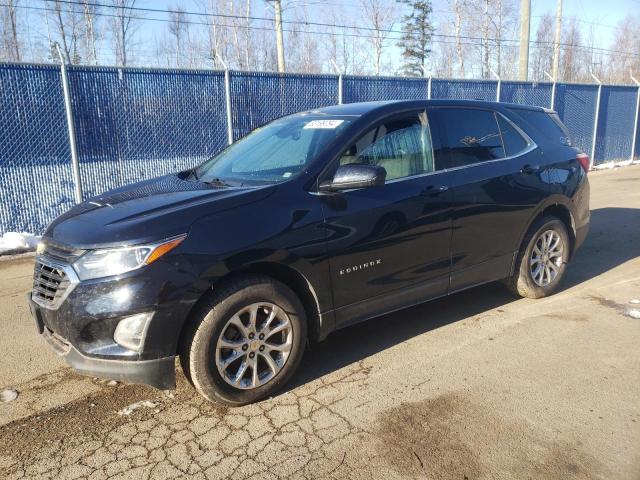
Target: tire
point(523, 282)
point(225, 319)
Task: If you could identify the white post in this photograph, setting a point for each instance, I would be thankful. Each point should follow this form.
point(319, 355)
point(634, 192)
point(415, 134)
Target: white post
point(429, 88)
point(499, 84)
point(635, 125)
point(595, 122)
point(227, 100)
point(553, 91)
point(75, 166)
point(340, 77)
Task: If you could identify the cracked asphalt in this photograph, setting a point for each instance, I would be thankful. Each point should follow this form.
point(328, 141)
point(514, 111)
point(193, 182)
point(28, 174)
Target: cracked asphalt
point(479, 385)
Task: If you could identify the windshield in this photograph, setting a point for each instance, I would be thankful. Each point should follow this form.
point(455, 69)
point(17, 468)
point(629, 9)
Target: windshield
point(273, 153)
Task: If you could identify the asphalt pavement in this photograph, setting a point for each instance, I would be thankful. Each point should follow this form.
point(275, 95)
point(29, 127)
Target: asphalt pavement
point(479, 385)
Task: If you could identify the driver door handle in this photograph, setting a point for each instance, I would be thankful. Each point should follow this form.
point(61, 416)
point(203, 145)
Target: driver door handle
point(433, 190)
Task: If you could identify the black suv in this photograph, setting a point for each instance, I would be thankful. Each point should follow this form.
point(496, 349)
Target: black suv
point(311, 223)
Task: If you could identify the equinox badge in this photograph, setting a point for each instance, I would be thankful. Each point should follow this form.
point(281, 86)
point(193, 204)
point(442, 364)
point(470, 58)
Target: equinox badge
point(362, 266)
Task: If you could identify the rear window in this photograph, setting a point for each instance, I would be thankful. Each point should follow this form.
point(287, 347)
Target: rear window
point(548, 124)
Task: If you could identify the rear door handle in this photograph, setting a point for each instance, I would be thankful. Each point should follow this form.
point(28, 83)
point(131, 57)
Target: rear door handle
point(433, 190)
point(529, 169)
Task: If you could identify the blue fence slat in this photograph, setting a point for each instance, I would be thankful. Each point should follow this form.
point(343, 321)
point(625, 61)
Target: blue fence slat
point(136, 124)
point(258, 97)
point(526, 93)
point(464, 89)
point(576, 106)
point(35, 162)
point(367, 89)
point(615, 123)
point(133, 124)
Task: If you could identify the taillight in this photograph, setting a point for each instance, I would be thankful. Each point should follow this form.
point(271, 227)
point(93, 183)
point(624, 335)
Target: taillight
point(584, 161)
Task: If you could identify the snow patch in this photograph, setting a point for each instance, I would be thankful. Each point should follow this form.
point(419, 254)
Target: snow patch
point(18, 242)
point(633, 313)
point(128, 410)
point(8, 395)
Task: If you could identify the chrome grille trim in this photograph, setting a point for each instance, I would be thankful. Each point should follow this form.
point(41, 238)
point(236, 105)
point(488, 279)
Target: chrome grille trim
point(53, 281)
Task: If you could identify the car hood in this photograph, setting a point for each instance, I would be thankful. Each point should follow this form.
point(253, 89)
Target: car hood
point(146, 211)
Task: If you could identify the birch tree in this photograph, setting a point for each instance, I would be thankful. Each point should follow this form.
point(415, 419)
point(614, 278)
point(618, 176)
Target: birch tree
point(11, 48)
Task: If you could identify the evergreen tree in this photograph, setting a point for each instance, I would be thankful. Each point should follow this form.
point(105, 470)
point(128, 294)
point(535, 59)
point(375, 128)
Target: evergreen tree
point(416, 36)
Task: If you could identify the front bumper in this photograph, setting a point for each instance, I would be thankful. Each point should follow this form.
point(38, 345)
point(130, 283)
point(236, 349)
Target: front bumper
point(159, 373)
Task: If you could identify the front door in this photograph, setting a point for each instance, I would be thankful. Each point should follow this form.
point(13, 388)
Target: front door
point(388, 246)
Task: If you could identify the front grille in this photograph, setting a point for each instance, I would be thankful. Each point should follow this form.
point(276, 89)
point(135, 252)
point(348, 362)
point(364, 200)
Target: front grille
point(51, 284)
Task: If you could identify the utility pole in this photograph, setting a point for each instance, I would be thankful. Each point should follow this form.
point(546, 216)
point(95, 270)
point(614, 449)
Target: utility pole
point(525, 25)
point(556, 42)
point(277, 5)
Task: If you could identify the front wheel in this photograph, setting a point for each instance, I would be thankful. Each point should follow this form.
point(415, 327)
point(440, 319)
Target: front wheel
point(246, 341)
point(542, 260)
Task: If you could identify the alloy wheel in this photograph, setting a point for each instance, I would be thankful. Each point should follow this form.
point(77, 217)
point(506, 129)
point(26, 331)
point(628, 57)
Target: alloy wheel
point(254, 345)
point(546, 258)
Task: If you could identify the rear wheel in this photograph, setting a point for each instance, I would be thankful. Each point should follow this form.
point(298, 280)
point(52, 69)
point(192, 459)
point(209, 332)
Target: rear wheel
point(246, 341)
point(542, 260)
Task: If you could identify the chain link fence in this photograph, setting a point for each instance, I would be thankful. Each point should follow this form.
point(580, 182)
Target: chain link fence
point(133, 123)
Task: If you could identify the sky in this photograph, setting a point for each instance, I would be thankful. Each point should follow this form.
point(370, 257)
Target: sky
point(599, 16)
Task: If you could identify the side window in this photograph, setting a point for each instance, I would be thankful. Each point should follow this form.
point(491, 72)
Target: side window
point(514, 143)
point(548, 124)
point(402, 146)
point(468, 136)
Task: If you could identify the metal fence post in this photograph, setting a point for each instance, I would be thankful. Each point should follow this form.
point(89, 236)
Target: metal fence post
point(429, 88)
point(635, 125)
point(595, 122)
point(340, 78)
point(553, 91)
point(498, 86)
point(227, 100)
point(75, 165)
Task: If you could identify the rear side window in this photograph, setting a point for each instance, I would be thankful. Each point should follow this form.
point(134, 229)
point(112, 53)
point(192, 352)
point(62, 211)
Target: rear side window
point(513, 142)
point(468, 136)
point(548, 124)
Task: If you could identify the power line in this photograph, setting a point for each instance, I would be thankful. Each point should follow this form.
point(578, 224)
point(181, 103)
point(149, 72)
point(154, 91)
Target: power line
point(317, 24)
point(311, 32)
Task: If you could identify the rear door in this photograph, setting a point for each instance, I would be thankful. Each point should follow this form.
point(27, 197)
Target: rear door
point(388, 246)
point(496, 185)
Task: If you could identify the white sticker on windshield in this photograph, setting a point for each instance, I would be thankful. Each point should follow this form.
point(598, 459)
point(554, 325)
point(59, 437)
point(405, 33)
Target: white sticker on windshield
point(324, 124)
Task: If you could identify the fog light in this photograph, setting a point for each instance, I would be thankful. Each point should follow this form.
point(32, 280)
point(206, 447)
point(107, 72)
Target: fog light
point(131, 331)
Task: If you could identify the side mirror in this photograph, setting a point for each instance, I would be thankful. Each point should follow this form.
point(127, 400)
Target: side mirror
point(355, 175)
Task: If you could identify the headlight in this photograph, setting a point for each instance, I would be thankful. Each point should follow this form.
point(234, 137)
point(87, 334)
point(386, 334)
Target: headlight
point(115, 261)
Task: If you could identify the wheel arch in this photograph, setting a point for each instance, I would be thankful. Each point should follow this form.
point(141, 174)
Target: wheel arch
point(317, 325)
point(559, 208)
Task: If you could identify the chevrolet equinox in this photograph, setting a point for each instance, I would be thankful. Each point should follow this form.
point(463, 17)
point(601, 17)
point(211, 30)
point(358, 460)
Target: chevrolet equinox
point(310, 223)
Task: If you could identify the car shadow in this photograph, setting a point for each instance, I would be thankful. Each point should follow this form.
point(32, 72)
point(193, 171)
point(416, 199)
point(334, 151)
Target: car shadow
point(614, 238)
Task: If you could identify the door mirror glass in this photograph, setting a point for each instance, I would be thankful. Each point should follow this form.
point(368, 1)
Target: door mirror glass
point(355, 175)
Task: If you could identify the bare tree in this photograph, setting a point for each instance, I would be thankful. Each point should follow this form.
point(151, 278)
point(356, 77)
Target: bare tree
point(622, 65)
point(122, 29)
point(179, 30)
point(542, 54)
point(90, 10)
point(458, 12)
point(68, 27)
point(380, 15)
point(9, 24)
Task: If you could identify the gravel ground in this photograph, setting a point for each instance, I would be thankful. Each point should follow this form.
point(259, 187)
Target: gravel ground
point(477, 385)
